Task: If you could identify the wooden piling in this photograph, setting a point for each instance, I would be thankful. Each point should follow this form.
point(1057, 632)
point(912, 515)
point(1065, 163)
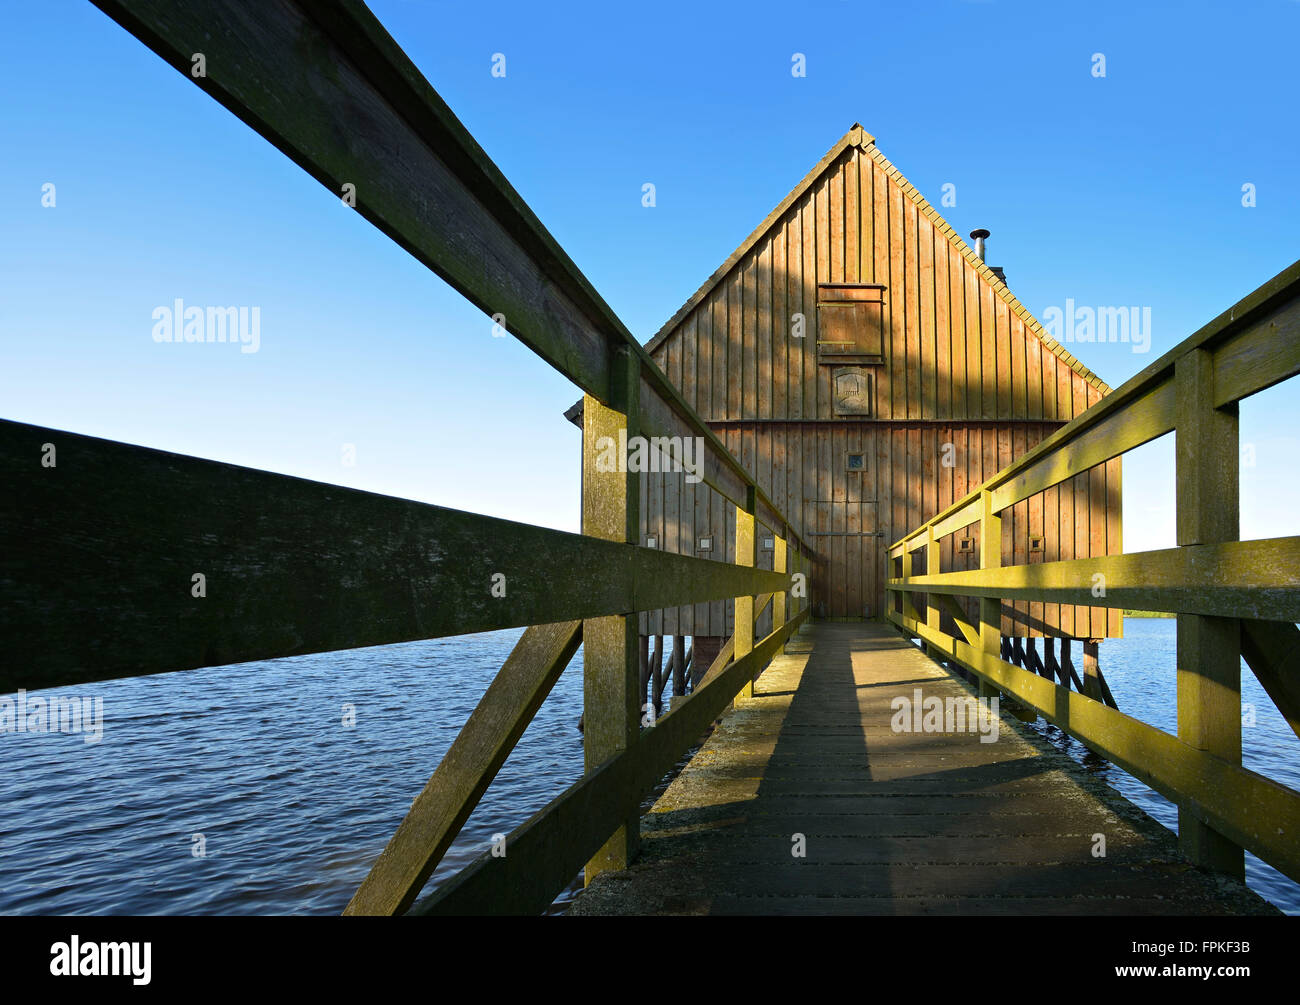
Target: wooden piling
point(1094, 681)
point(1068, 673)
point(1032, 659)
point(643, 666)
point(1049, 663)
point(657, 673)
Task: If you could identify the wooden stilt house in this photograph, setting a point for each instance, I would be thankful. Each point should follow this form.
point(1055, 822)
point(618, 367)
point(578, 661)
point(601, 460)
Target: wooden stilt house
point(866, 365)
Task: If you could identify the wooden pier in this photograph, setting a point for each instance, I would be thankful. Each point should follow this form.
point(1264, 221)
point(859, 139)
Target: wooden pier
point(804, 800)
point(806, 797)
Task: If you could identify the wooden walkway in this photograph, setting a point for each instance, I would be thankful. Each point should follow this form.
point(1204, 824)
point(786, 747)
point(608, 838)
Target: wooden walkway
point(894, 823)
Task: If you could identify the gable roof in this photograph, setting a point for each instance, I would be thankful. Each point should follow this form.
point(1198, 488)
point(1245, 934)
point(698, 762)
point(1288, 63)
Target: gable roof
point(859, 137)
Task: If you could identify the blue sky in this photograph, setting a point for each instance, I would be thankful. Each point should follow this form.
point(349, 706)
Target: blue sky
point(1122, 190)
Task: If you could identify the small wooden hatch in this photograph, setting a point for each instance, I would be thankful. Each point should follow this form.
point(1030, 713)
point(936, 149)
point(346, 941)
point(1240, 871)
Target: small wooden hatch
point(850, 323)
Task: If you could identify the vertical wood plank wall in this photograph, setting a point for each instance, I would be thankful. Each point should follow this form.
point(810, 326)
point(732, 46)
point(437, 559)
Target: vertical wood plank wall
point(964, 367)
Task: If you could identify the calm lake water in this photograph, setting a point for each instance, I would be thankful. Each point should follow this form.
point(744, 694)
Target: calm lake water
point(292, 806)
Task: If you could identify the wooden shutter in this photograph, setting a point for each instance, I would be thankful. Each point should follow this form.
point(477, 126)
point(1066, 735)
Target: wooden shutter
point(850, 323)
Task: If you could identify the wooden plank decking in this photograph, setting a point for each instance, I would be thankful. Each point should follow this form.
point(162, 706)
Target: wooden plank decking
point(894, 823)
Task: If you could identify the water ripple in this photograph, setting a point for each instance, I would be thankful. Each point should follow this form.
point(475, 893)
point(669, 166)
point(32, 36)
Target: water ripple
point(253, 766)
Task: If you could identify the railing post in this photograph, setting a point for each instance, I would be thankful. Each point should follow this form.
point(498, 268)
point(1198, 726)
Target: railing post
point(791, 567)
point(610, 510)
point(910, 611)
point(1209, 649)
point(746, 554)
point(891, 595)
point(798, 603)
point(778, 598)
point(931, 569)
point(990, 607)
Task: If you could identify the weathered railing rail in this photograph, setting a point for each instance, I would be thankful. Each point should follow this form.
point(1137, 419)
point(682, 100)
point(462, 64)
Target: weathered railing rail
point(118, 560)
point(1233, 598)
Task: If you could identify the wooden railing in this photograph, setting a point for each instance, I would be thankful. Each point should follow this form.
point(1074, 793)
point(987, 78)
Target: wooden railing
point(1232, 598)
point(119, 561)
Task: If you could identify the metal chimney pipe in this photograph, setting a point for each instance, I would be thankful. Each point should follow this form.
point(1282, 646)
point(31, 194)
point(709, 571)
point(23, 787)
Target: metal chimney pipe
point(979, 236)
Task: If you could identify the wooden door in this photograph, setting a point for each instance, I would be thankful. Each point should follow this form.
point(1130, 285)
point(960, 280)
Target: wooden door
point(846, 536)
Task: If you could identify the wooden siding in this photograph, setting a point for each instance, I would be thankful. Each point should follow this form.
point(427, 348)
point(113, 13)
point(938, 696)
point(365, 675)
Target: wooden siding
point(966, 365)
